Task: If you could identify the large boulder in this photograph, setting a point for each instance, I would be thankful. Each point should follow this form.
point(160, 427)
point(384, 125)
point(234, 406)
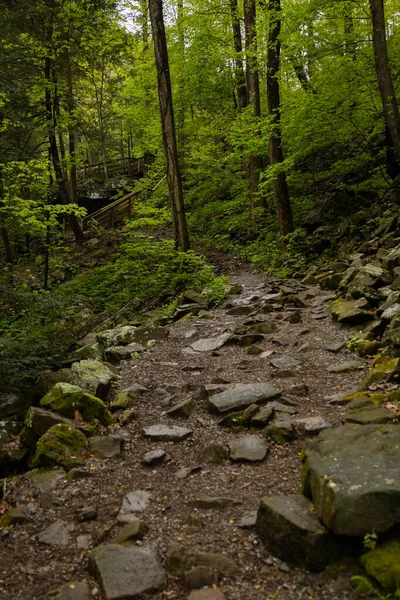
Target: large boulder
point(37, 422)
point(120, 336)
point(47, 379)
point(351, 312)
point(93, 377)
point(290, 527)
point(61, 445)
point(13, 405)
point(66, 399)
point(352, 475)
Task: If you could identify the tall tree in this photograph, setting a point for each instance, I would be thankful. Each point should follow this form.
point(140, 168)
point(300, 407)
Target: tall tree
point(384, 76)
point(284, 209)
point(168, 125)
point(253, 92)
point(240, 78)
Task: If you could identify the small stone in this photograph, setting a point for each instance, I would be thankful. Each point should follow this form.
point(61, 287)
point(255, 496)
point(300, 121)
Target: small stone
point(263, 416)
point(347, 367)
point(117, 353)
point(284, 362)
point(293, 317)
point(163, 433)
point(154, 457)
point(181, 409)
point(135, 530)
point(86, 513)
point(210, 344)
point(58, 534)
point(298, 390)
point(76, 474)
point(213, 502)
point(249, 448)
point(312, 425)
point(254, 350)
point(132, 503)
point(247, 519)
point(241, 396)
point(336, 347)
point(186, 471)
point(105, 447)
point(13, 516)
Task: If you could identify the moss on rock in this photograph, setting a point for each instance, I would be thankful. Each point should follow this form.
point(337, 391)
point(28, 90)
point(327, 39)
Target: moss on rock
point(383, 563)
point(61, 445)
point(66, 399)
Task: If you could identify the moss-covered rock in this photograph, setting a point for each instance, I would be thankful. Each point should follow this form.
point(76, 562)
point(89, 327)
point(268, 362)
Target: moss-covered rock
point(47, 379)
point(61, 445)
point(37, 422)
point(66, 399)
point(351, 312)
point(90, 351)
point(93, 377)
point(384, 369)
point(367, 347)
point(383, 563)
point(120, 336)
point(122, 401)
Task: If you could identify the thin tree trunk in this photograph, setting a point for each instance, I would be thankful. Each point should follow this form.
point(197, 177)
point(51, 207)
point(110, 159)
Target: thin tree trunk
point(349, 47)
point(144, 24)
point(168, 125)
point(240, 77)
point(73, 181)
point(46, 259)
point(7, 245)
point(384, 76)
point(253, 93)
point(181, 87)
point(284, 209)
point(62, 190)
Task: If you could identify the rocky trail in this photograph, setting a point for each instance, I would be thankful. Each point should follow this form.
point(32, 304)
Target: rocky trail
point(210, 417)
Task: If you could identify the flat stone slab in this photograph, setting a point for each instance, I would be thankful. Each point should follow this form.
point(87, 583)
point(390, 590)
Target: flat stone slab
point(125, 572)
point(241, 396)
point(105, 446)
point(186, 471)
point(58, 534)
point(290, 527)
point(213, 502)
point(248, 448)
point(75, 590)
point(207, 594)
point(284, 362)
point(154, 457)
point(164, 433)
point(352, 475)
point(132, 503)
point(311, 425)
point(347, 367)
point(210, 344)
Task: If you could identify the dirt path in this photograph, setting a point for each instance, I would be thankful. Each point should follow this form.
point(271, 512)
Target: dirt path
point(172, 371)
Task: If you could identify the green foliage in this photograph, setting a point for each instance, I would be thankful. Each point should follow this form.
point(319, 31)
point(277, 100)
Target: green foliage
point(370, 540)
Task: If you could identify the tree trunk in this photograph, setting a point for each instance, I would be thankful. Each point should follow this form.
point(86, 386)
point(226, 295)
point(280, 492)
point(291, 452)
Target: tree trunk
point(168, 125)
point(240, 78)
point(181, 87)
point(62, 191)
point(284, 209)
point(253, 92)
point(383, 74)
point(349, 47)
point(7, 245)
point(71, 135)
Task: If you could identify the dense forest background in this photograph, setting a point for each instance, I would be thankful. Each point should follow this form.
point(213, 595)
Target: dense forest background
point(288, 138)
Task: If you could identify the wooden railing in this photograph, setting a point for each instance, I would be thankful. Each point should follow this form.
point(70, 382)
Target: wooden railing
point(113, 213)
point(134, 167)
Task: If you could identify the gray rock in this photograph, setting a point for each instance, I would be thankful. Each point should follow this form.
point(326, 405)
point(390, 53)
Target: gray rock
point(132, 503)
point(117, 353)
point(352, 475)
point(13, 405)
point(154, 457)
point(58, 534)
point(47, 379)
point(74, 590)
point(76, 474)
point(264, 416)
point(351, 365)
point(210, 344)
point(391, 312)
point(352, 312)
point(280, 431)
point(284, 362)
point(93, 377)
point(213, 502)
point(135, 530)
point(105, 447)
point(290, 527)
point(200, 576)
point(182, 409)
point(126, 571)
point(37, 422)
point(86, 513)
point(300, 389)
point(365, 412)
point(335, 348)
point(241, 396)
point(249, 448)
point(120, 336)
point(181, 559)
point(311, 425)
point(164, 433)
point(247, 519)
point(186, 471)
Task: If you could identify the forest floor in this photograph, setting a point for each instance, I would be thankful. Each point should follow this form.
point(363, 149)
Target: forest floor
point(33, 569)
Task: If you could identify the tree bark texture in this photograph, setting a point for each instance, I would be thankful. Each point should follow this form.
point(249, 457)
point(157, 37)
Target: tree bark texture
point(240, 78)
point(384, 76)
point(168, 126)
point(253, 93)
point(284, 209)
point(71, 134)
